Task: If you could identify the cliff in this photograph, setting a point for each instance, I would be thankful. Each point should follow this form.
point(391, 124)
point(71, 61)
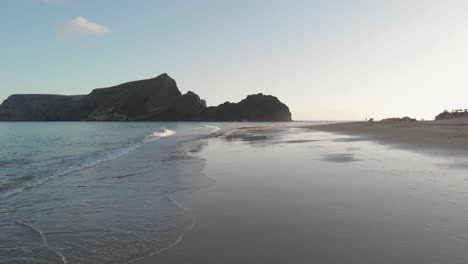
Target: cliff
point(256, 107)
point(156, 99)
point(44, 107)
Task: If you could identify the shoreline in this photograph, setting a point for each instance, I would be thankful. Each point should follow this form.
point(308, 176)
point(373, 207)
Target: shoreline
point(436, 138)
point(230, 228)
point(235, 224)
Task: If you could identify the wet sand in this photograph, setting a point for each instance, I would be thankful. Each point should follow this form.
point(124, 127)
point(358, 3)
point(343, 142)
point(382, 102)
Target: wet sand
point(448, 137)
point(301, 195)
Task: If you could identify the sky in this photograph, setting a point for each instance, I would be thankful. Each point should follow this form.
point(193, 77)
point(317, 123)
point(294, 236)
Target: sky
point(326, 59)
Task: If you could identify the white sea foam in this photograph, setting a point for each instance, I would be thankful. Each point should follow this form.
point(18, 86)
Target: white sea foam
point(159, 134)
point(164, 133)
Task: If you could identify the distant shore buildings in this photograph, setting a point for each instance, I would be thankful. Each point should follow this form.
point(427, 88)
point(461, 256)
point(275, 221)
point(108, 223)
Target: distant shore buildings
point(456, 113)
point(398, 120)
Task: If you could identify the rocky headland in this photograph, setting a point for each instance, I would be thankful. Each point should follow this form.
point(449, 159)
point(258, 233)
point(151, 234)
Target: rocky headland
point(156, 99)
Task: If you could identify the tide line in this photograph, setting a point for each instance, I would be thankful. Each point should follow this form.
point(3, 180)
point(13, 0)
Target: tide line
point(44, 240)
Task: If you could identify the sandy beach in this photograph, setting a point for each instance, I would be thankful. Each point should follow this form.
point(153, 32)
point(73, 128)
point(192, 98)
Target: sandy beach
point(445, 137)
point(337, 193)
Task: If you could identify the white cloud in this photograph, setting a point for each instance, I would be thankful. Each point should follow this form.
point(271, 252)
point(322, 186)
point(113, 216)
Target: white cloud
point(82, 25)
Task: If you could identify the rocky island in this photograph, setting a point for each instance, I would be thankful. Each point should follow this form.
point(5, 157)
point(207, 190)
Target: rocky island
point(156, 99)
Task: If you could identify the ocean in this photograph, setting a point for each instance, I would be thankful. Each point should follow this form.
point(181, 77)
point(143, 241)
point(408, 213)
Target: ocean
point(95, 192)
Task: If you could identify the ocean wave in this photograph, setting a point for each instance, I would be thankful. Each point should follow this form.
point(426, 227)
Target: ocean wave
point(44, 171)
point(159, 134)
point(51, 169)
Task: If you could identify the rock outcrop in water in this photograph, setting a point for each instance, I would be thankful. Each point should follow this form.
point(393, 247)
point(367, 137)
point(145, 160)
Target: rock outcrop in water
point(156, 99)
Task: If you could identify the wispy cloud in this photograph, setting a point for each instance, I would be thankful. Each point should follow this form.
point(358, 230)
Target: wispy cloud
point(83, 26)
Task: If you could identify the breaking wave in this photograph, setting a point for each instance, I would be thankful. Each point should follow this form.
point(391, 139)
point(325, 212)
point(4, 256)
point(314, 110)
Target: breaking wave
point(159, 134)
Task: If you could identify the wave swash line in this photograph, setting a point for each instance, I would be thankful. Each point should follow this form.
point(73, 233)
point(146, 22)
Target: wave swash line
point(44, 240)
point(86, 164)
point(183, 208)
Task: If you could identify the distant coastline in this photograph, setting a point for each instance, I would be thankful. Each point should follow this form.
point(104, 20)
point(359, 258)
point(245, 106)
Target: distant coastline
point(440, 137)
point(454, 114)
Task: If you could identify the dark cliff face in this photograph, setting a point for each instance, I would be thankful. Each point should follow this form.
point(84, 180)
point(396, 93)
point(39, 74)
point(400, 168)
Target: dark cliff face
point(156, 99)
point(130, 101)
point(256, 107)
point(32, 107)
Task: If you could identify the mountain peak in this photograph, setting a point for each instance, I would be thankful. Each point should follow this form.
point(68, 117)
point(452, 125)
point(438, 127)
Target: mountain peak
point(163, 76)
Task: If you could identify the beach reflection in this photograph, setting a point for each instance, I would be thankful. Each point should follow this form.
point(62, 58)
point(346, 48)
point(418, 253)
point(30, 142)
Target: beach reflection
point(301, 196)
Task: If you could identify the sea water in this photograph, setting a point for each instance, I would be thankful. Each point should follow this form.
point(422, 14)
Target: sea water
point(95, 192)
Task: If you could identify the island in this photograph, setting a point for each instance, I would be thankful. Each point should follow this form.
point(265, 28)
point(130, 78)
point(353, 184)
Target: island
point(156, 99)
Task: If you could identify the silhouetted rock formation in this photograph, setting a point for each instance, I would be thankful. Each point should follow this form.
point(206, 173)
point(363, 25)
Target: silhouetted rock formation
point(460, 113)
point(44, 107)
point(256, 107)
point(156, 99)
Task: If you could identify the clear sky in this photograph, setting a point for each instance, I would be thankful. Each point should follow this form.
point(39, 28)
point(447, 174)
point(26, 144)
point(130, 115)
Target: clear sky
point(326, 59)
